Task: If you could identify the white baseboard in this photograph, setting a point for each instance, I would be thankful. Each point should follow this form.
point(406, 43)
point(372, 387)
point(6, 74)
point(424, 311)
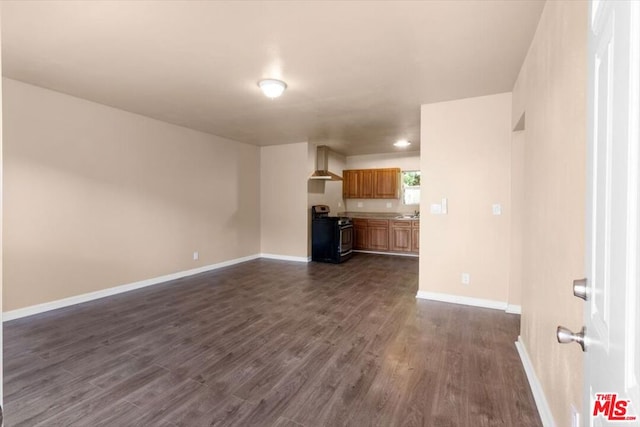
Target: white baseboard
point(536, 388)
point(514, 309)
point(77, 299)
point(457, 299)
point(286, 257)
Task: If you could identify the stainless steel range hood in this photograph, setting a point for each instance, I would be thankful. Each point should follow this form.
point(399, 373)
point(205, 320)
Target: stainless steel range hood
point(322, 166)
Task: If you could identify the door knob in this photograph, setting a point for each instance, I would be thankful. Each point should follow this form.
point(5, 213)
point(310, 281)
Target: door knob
point(580, 288)
point(565, 336)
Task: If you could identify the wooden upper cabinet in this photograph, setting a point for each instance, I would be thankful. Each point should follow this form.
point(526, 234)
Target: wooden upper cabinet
point(371, 183)
point(349, 184)
point(366, 184)
point(386, 183)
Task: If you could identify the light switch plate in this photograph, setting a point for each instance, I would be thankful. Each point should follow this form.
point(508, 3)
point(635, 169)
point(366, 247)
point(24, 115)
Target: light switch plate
point(496, 208)
point(436, 208)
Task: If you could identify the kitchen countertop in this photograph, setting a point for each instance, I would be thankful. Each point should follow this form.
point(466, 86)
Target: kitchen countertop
point(378, 215)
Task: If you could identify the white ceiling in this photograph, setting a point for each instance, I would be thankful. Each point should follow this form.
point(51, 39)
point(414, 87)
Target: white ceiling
point(357, 71)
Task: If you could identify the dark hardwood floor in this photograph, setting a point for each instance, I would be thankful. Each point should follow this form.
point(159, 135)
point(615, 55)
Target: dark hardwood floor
point(269, 343)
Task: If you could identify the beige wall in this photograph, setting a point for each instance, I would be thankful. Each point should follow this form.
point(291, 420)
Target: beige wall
point(551, 91)
point(404, 161)
point(517, 214)
point(284, 171)
point(96, 197)
point(465, 157)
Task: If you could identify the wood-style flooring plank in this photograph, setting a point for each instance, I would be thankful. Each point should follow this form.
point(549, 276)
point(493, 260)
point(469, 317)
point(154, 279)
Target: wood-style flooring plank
point(269, 343)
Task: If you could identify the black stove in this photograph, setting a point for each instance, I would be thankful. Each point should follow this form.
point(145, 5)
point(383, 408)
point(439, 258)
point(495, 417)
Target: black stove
point(331, 236)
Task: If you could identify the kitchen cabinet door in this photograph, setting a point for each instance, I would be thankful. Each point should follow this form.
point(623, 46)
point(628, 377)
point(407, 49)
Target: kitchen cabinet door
point(366, 184)
point(386, 183)
point(371, 183)
point(378, 235)
point(415, 238)
point(360, 234)
point(349, 184)
point(400, 234)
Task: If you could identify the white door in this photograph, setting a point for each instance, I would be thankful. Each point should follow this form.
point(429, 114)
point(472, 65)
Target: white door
point(611, 359)
point(1, 192)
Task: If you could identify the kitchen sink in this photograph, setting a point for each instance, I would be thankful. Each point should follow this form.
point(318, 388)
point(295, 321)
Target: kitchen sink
point(408, 216)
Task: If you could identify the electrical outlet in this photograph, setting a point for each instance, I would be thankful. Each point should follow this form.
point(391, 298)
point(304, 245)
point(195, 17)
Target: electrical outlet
point(389, 204)
point(339, 204)
point(360, 204)
point(496, 209)
point(196, 255)
point(465, 279)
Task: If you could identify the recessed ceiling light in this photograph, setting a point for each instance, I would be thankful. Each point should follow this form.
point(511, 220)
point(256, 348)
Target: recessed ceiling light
point(272, 88)
point(402, 143)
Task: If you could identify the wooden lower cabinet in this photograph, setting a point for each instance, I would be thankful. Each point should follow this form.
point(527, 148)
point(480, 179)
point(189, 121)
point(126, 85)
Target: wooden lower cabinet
point(386, 235)
point(415, 236)
point(400, 236)
point(378, 234)
point(360, 240)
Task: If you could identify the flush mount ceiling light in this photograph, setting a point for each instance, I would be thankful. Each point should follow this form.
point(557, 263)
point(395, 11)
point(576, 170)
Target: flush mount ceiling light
point(272, 88)
point(402, 143)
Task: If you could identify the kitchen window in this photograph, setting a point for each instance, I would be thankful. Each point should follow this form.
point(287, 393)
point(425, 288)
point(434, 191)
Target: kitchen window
point(411, 187)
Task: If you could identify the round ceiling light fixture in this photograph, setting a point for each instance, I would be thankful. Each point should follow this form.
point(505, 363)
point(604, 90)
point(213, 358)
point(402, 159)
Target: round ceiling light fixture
point(402, 143)
point(272, 88)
